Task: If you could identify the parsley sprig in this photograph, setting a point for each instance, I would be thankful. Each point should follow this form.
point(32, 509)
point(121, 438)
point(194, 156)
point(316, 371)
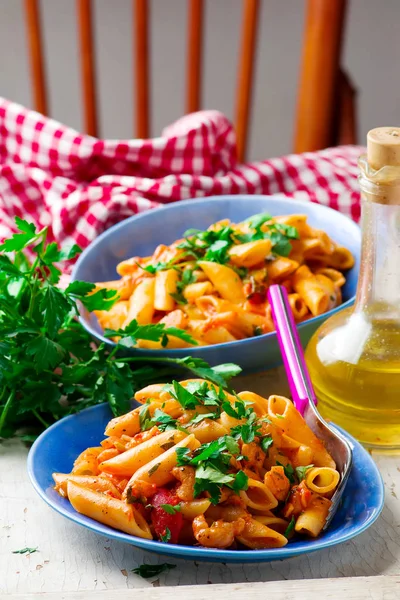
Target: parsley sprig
point(212, 466)
point(48, 365)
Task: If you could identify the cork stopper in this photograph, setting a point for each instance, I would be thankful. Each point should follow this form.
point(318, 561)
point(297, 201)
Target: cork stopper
point(383, 147)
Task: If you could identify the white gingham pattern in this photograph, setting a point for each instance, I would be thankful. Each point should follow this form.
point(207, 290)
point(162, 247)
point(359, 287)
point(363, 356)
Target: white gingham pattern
point(78, 185)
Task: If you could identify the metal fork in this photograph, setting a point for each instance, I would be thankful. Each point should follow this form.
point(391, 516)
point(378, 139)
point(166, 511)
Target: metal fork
point(303, 393)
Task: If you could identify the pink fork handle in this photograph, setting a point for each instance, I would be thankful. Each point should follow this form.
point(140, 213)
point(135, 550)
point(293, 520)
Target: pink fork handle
point(291, 349)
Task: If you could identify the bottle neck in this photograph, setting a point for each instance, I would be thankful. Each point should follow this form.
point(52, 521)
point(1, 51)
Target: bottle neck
point(378, 291)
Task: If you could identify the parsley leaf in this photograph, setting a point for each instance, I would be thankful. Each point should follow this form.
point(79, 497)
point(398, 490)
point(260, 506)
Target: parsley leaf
point(290, 527)
point(25, 551)
point(301, 472)
point(166, 536)
point(241, 481)
point(171, 509)
point(148, 571)
point(266, 442)
point(46, 355)
point(152, 332)
point(289, 471)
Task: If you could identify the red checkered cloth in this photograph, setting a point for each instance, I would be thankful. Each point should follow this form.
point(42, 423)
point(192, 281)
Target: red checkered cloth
point(79, 185)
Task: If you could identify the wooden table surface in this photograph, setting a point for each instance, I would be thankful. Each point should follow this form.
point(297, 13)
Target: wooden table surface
point(76, 564)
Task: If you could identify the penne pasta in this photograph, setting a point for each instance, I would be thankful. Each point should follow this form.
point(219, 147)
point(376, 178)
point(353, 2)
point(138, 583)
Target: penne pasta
point(194, 464)
point(213, 284)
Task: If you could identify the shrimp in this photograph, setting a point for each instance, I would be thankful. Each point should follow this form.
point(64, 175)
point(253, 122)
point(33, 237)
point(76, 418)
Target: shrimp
point(255, 456)
point(220, 534)
point(277, 482)
point(186, 476)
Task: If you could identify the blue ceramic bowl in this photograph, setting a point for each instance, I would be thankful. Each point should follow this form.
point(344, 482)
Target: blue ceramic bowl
point(56, 449)
point(139, 236)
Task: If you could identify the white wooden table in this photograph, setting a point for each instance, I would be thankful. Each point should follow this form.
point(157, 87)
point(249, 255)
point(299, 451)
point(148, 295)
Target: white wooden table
point(74, 563)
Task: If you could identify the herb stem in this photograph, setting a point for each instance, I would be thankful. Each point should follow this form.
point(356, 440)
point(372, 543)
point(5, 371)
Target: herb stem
point(39, 418)
point(6, 409)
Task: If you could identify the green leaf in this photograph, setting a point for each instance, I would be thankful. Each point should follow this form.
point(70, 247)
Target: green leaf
point(257, 221)
point(187, 400)
point(25, 551)
point(148, 571)
point(19, 241)
point(182, 456)
point(220, 375)
point(200, 417)
point(46, 353)
point(289, 471)
point(301, 472)
point(166, 536)
point(290, 527)
point(80, 288)
point(171, 509)
point(7, 266)
point(103, 299)
point(55, 308)
point(266, 442)
point(241, 482)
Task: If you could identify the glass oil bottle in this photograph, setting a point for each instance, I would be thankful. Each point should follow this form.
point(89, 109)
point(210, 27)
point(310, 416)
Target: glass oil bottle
point(354, 357)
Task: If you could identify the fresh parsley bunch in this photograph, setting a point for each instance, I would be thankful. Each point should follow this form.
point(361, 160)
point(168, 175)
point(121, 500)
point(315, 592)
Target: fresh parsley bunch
point(49, 366)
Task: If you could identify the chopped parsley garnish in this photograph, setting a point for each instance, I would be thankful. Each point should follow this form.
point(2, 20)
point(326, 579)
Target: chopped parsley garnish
point(266, 442)
point(153, 332)
point(187, 278)
point(248, 430)
point(289, 471)
point(153, 469)
point(212, 463)
point(171, 509)
point(290, 527)
point(166, 536)
point(25, 551)
point(148, 571)
point(263, 227)
point(301, 472)
point(160, 419)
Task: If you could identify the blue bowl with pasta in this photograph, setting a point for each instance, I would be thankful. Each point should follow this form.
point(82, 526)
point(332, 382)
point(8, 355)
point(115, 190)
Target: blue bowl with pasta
point(138, 236)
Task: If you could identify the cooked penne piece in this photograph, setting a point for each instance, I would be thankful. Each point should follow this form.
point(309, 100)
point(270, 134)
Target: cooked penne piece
point(98, 484)
point(256, 536)
point(322, 480)
point(283, 414)
point(110, 511)
point(312, 520)
point(225, 280)
point(129, 462)
point(198, 289)
point(312, 290)
point(165, 286)
point(281, 267)
point(250, 254)
point(191, 510)
point(141, 303)
point(158, 470)
point(258, 496)
point(87, 462)
point(123, 286)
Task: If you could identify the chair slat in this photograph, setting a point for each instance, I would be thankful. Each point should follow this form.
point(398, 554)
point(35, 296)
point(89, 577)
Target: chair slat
point(87, 59)
point(347, 127)
point(141, 27)
point(34, 35)
point(194, 64)
point(245, 74)
point(319, 74)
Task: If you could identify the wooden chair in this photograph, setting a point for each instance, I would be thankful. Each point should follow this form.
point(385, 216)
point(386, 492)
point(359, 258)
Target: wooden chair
point(325, 113)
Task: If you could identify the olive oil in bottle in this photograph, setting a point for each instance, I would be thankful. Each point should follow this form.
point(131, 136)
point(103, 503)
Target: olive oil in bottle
point(354, 357)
